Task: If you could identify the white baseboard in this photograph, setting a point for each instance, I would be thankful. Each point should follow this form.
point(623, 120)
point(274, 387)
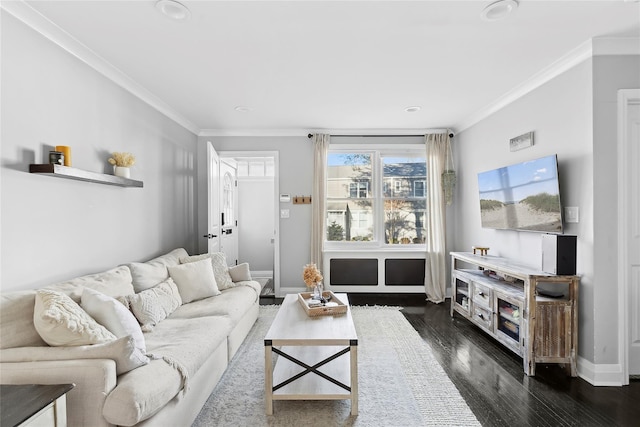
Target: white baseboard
point(600, 374)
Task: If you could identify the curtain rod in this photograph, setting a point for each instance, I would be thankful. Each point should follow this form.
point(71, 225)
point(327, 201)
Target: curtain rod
point(376, 136)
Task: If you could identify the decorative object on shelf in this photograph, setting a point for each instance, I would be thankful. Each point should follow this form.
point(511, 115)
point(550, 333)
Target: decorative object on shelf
point(313, 279)
point(122, 171)
point(56, 158)
point(66, 152)
point(121, 163)
point(482, 249)
point(523, 141)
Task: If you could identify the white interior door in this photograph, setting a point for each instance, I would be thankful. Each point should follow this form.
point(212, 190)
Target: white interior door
point(633, 192)
point(213, 196)
point(229, 210)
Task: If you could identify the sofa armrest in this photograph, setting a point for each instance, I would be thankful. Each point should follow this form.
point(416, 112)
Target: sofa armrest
point(94, 380)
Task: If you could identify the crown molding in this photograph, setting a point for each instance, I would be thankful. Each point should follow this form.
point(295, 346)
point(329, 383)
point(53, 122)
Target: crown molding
point(592, 47)
point(305, 132)
point(35, 20)
point(254, 132)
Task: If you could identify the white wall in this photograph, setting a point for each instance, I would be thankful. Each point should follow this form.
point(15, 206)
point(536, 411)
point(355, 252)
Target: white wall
point(256, 222)
point(295, 154)
point(53, 229)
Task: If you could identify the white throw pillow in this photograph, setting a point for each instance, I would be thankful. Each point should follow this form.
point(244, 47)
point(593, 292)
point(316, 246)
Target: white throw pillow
point(195, 280)
point(123, 351)
point(114, 316)
point(146, 275)
point(219, 265)
point(61, 321)
point(240, 272)
point(155, 304)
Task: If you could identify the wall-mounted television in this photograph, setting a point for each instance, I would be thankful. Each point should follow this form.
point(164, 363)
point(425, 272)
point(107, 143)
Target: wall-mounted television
point(524, 196)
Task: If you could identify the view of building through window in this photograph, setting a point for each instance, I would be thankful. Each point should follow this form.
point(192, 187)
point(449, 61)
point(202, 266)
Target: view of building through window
point(374, 196)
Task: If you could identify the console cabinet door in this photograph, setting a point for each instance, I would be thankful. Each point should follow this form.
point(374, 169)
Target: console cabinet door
point(461, 300)
point(508, 323)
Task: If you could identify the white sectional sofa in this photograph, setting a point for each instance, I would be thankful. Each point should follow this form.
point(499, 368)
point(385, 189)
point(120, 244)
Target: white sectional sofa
point(117, 383)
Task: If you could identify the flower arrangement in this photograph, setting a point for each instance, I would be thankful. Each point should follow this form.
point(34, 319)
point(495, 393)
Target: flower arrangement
point(124, 160)
point(311, 275)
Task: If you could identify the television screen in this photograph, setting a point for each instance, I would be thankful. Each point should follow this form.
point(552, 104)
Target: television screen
point(524, 196)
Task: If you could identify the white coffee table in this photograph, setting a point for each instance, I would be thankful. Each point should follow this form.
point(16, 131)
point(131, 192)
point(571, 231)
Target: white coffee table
point(317, 356)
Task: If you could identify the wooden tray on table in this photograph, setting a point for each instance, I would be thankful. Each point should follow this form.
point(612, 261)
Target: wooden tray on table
point(333, 306)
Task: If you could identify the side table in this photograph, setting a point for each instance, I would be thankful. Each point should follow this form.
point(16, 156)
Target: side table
point(32, 405)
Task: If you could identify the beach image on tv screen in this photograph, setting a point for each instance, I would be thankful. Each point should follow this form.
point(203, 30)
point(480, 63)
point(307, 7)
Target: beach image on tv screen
point(524, 196)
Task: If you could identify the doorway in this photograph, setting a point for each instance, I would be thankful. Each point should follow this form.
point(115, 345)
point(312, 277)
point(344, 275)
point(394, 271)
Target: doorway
point(257, 229)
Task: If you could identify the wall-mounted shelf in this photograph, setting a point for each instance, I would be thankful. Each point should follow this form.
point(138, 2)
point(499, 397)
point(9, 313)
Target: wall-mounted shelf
point(82, 175)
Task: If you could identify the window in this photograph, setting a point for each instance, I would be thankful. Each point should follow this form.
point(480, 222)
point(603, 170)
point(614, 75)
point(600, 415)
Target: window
point(376, 196)
point(358, 189)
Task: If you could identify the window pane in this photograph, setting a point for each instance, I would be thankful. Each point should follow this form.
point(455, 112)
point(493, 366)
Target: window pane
point(400, 173)
point(349, 220)
point(349, 175)
point(404, 221)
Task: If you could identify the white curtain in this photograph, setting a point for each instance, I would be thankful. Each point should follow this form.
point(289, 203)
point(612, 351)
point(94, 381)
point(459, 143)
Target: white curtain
point(437, 146)
point(318, 199)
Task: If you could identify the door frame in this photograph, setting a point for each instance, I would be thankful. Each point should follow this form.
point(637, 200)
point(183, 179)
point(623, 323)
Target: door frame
point(211, 175)
point(276, 205)
point(626, 97)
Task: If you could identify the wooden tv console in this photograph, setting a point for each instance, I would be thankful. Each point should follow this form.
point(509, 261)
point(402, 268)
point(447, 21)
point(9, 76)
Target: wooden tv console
point(504, 298)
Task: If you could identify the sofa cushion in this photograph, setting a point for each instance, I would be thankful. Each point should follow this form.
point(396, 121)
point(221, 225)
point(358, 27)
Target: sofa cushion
point(179, 348)
point(114, 282)
point(195, 280)
point(123, 351)
point(148, 274)
point(61, 321)
point(220, 268)
point(233, 302)
point(113, 315)
point(16, 320)
point(240, 272)
point(154, 304)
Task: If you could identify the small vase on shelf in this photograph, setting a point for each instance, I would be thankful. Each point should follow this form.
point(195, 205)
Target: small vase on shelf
point(122, 172)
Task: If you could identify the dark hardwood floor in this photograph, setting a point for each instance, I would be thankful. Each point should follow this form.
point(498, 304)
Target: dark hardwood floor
point(491, 380)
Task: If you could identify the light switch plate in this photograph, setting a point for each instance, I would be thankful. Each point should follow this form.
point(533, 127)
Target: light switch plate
point(571, 214)
point(284, 213)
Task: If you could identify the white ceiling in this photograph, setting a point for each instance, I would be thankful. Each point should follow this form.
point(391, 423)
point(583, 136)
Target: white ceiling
point(334, 65)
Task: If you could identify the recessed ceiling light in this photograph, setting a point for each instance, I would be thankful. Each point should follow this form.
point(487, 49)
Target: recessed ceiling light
point(243, 109)
point(413, 109)
point(499, 10)
point(173, 9)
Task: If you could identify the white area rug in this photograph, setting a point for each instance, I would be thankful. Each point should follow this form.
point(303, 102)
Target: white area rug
point(400, 382)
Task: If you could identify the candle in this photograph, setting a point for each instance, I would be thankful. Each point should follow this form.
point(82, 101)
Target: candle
point(66, 150)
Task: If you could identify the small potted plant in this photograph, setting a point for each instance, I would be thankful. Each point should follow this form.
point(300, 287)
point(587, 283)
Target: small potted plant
point(121, 163)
